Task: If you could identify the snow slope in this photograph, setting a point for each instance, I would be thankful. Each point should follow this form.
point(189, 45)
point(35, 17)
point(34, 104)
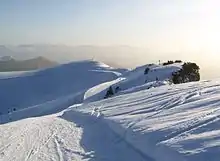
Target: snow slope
point(164, 123)
point(137, 77)
point(32, 88)
point(26, 137)
point(135, 80)
point(40, 139)
point(67, 136)
point(167, 123)
point(7, 75)
point(98, 92)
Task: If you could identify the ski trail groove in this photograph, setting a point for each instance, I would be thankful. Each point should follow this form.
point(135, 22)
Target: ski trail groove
point(59, 152)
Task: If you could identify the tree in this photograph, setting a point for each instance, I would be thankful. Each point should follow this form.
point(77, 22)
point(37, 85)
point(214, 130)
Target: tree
point(188, 73)
point(168, 62)
point(178, 61)
point(109, 92)
point(146, 71)
point(191, 71)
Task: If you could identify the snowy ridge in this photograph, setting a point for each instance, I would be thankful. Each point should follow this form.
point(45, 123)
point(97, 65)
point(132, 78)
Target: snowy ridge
point(46, 85)
point(97, 92)
point(45, 108)
point(137, 77)
point(167, 123)
point(158, 75)
point(147, 120)
point(8, 75)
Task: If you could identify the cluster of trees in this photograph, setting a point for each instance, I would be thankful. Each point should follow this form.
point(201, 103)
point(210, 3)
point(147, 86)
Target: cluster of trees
point(178, 61)
point(172, 62)
point(188, 73)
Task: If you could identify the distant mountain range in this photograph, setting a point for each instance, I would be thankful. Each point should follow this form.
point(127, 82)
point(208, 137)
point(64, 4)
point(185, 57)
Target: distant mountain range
point(7, 63)
point(118, 56)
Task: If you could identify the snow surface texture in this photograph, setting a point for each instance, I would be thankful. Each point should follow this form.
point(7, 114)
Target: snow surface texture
point(135, 80)
point(32, 88)
point(168, 123)
point(151, 121)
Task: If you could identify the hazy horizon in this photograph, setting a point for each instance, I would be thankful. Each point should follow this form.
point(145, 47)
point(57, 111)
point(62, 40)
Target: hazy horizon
point(116, 56)
point(127, 33)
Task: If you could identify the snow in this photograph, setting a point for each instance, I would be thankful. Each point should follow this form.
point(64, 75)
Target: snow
point(66, 119)
point(45, 108)
point(46, 85)
point(137, 77)
point(65, 136)
point(8, 75)
point(135, 80)
point(97, 92)
point(167, 123)
point(40, 139)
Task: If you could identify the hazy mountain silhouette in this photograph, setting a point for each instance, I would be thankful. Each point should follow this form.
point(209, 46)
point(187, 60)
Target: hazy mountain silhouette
point(9, 64)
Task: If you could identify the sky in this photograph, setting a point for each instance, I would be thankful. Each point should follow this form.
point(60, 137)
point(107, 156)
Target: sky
point(184, 27)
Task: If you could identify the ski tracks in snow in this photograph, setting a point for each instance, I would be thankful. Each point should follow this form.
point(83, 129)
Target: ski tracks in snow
point(58, 150)
point(40, 139)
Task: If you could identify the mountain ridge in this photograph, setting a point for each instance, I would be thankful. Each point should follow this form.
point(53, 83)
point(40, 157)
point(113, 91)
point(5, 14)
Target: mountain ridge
point(8, 63)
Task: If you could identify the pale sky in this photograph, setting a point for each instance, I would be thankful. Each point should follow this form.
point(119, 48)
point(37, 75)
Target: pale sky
point(161, 26)
point(171, 24)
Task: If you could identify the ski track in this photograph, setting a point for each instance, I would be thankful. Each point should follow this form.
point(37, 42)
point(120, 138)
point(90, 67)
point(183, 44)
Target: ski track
point(39, 137)
point(52, 138)
point(59, 152)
